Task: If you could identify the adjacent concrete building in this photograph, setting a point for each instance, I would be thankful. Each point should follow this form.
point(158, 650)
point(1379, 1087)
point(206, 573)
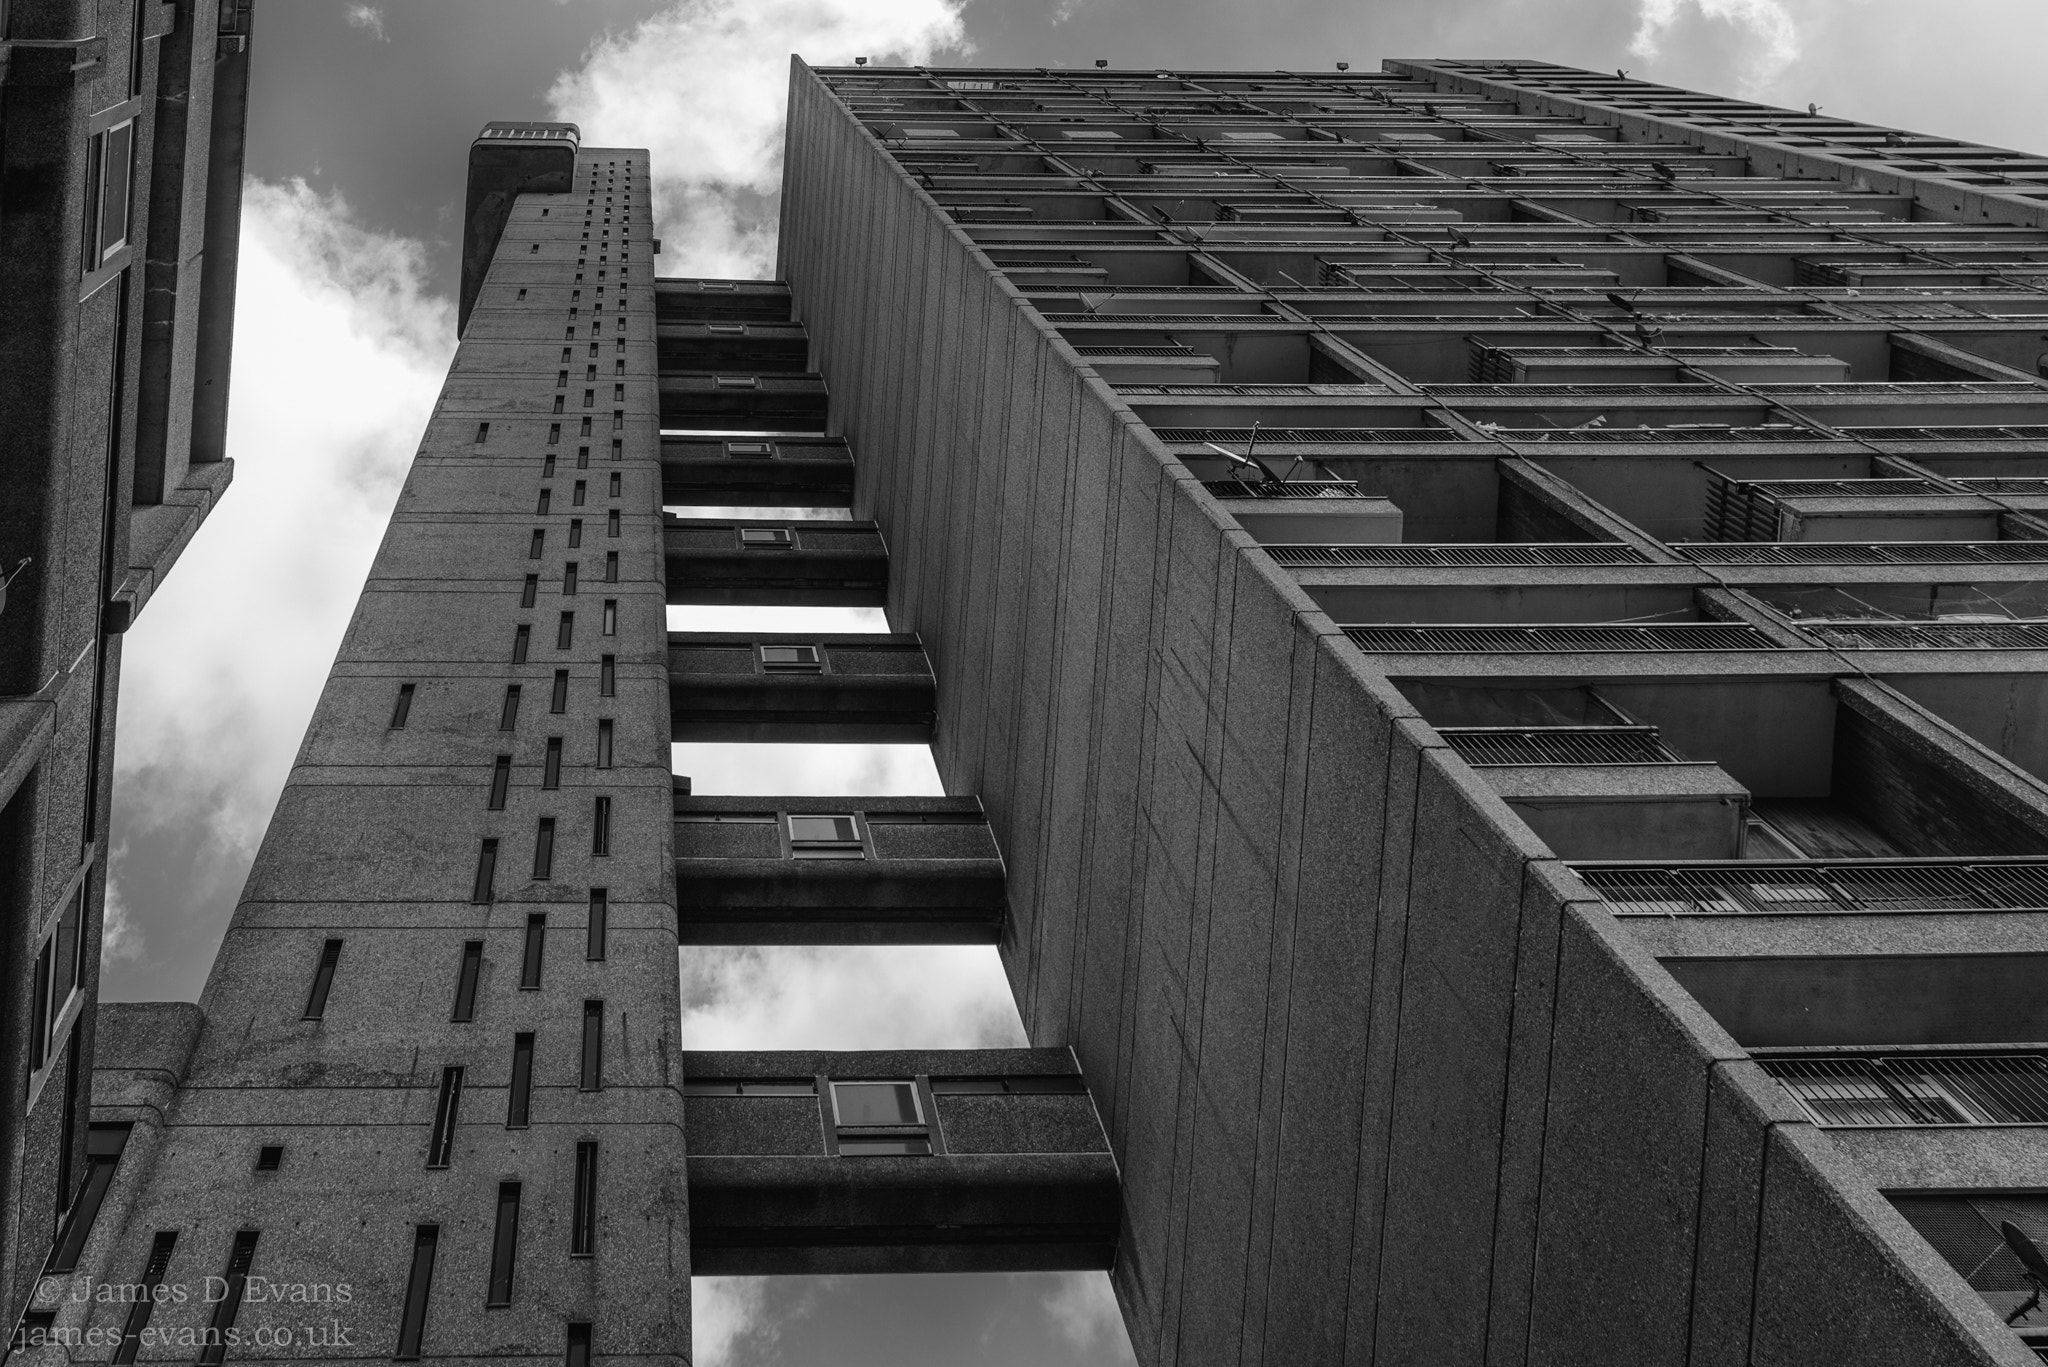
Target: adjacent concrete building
point(120, 203)
point(1483, 624)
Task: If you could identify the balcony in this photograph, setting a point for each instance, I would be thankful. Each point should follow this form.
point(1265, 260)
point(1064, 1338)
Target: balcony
point(866, 688)
point(1873, 1090)
point(795, 472)
point(749, 402)
point(849, 870)
point(980, 1160)
point(1307, 510)
point(749, 348)
point(745, 301)
point(1807, 887)
point(775, 561)
point(1572, 638)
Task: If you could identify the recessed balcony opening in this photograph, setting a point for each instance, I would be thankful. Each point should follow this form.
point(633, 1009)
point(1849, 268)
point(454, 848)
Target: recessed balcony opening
point(1985, 1236)
point(1985, 615)
point(1961, 1002)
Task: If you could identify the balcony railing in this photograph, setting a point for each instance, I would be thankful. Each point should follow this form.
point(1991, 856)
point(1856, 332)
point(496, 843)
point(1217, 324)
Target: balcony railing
point(1931, 635)
point(1303, 436)
point(1819, 886)
point(1476, 553)
point(1293, 488)
point(1873, 1091)
point(1497, 745)
point(1876, 553)
point(1570, 638)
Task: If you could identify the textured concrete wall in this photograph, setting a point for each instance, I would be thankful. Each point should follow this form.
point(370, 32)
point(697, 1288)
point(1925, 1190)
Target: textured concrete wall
point(1381, 1090)
point(375, 842)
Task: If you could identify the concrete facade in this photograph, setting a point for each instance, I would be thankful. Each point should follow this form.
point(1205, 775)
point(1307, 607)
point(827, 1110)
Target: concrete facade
point(120, 137)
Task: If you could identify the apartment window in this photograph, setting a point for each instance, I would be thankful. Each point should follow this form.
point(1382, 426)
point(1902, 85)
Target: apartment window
point(551, 766)
point(323, 979)
point(447, 1105)
point(583, 455)
point(618, 447)
point(401, 709)
point(412, 1323)
point(594, 926)
point(558, 403)
point(879, 1118)
point(601, 826)
point(576, 493)
point(821, 836)
point(619, 414)
point(269, 1157)
point(529, 590)
point(611, 617)
point(536, 945)
point(541, 505)
point(466, 975)
point(761, 538)
point(486, 871)
point(554, 437)
point(522, 637)
point(536, 543)
point(225, 1311)
point(504, 1245)
point(140, 1308)
point(584, 431)
point(483, 433)
point(590, 371)
point(618, 393)
point(519, 1096)
point(544, 850)
point(607, 676)
point(611, 563)
point(575, 532)
point(501, 783)
point(547, 466)
point(792, 659)
point(614, 490)
point(583, 1213)
point(590, 1077)
point(589, 398)
point(577, 1352)
point(508, 716)
point(565, 631)
point(558, 701)
point(59, 971)
point(604, 745)
point(611, 523)
point(103, 1146)
point(569, 579)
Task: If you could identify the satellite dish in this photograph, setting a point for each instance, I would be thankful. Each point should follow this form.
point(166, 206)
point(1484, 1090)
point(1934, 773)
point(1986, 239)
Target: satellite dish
point(2036, 1266)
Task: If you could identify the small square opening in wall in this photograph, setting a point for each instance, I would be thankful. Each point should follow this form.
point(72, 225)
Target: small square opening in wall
point(270, 1158)
point(754, 449)
point(792, 660)
point(880, 1118)
point(735, 382)
point(825, 836)
point(767, 538)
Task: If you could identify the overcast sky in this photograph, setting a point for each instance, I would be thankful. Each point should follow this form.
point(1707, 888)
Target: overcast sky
point(359, 126)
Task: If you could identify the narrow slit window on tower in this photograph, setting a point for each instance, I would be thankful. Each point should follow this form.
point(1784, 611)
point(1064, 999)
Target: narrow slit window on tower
point(536, 946)
point(576, 493)
point(589, 398)
point(558, 700)
point(619, 414)
point(601, 826)
point(565, 631)
point(483, 433)
point(611, 617)
point(611, 565)
point(508, 716)
point(504, 1245)
point(590, 1075)
point(522, 297)
point(486, 873)
point(501, 783)
point(401, 709)
point(583, 457)
point(544, 850)
point(583, 1214)
point(466, 974)
point(536, 543)
point(323, 980)
point(594, 929)
point(541, 504)
point(103, 1146)
point(522, 637)
point(558, 403)
point(527, 592)
point(562, 376)
point(607, 676)
point(575, 532)
point(618, 446)
point(554, 435)
point(269, 1157)
point(569, 579)
point(551, 766)
point(576, 1353)
point(604, 744)
point(547, 466)
point(611, 523)
point(447, 1106)
point(419, 1281)
point(145, 1300)
point(584, 430)
point(234, 1281)
point(519, 1096)
point(614, 489)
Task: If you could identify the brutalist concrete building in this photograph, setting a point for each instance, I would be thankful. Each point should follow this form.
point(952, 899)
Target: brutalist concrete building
point(1483, 627)
point(121, 128)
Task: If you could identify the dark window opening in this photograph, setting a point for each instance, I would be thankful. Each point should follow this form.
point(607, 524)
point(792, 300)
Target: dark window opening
point(483, 433)
point(269, 1157)
point(583, 1215)
point(604, 745)
point(615, 484)
point(611, 617)
point(547, 466)
point(611, 523)
point(534, 545)
point(569, 579)
point(401, 709)
point(544, 850)
point(140, 1308)
point(323, 979)
point(486, 872)
point(577, 1353)
point(601, 826)
point(529, 590)
point(792, 659)
point(575, 532)
point(501, 782)
point(466, 978)
point(412, 1324)
point(544, 502)
point(607, 676)
point(551, 767)
point(536, 944)
point(508, 717)
point(590, 1078)
point(522, 637)
point(519, 1097)
point(504, 1245)
point(103, 1145)
point(576, 494)
point(565, 631)
point(611, 567)
point(593, 935)
point(558, 701)
point(447, 1106)
point(229, 1307)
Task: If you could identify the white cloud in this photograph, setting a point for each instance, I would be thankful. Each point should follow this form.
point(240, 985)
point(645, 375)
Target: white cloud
point(370, 19)
point(1082, 1306)
point(847, 997)
point(702, 85)
point(1770, 37)
point(339, 354)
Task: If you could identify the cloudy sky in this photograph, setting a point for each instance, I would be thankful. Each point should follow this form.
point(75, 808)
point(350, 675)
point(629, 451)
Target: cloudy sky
point(360, 122)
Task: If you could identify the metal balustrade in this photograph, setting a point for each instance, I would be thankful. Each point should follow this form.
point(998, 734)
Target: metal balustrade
point(1872, 1091)
point(1283, 489)
point(1874, 553)
point(1931, 635)
point(1476, 554)
point(1559, 638)
point(1819, 886)
point(1304, 436)
point(1497, 745)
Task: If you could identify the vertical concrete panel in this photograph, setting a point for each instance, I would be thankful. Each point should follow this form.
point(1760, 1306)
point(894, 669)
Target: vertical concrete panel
point(1743, 1106)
